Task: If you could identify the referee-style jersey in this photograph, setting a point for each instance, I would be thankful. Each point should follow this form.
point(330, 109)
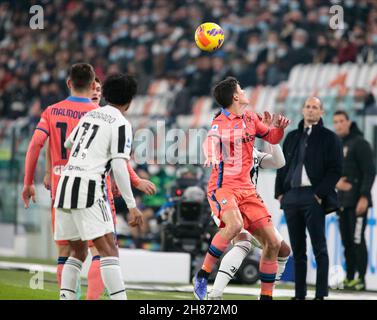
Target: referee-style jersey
point(100, 136)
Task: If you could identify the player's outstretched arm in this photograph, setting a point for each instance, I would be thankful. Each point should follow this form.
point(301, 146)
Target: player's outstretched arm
point(122, 179)
point(274, 159)
point(32, 155)
point(274, 133)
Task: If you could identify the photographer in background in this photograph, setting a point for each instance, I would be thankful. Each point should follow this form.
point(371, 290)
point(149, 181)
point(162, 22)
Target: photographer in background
point(354, 191)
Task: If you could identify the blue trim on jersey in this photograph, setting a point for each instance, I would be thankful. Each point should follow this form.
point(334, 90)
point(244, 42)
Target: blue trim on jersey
point(263, 135)
point(44, 130)
point(78, 99)
point(226, 112)
point(213, 198)
point(96, 258)
point(220, 176)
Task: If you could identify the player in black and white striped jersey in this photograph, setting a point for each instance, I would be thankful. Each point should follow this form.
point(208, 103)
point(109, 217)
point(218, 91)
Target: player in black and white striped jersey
point(100, 142)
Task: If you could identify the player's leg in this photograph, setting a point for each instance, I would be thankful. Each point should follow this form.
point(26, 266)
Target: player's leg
point(95, 283)
point(72, 270)
point(110, 268)
point(65, 229)
point(63, 249)
point(283, 258)
point(230, 263)
point(101, 231)
point(231, 218)
point(258, 222)
point(268, 265)
point(283, 255)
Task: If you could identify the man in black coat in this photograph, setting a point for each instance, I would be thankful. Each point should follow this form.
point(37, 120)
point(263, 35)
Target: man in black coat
point(305, 187)
point(354, 190)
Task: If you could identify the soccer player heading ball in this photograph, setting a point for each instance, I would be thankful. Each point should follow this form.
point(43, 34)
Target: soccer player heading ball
point(231, 194)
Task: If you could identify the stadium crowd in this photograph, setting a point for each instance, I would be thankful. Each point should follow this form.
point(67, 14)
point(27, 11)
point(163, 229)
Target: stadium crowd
point(154, 39)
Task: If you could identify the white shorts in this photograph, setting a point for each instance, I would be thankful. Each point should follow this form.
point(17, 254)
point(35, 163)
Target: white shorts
point(85, 224)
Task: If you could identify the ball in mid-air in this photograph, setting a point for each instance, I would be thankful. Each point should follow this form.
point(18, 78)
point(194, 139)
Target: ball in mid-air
point(209, 36)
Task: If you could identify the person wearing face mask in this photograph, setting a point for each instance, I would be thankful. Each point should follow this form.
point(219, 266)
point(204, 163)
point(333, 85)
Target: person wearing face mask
point(299, 53)
point(324, 53)
point(368, 53)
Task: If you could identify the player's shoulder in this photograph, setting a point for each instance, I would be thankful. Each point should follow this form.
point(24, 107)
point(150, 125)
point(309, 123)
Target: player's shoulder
point(219, 117)
point(250, 116)
point(119, 118)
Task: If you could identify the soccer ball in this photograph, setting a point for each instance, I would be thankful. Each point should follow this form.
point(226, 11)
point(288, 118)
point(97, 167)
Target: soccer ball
point(209, 36)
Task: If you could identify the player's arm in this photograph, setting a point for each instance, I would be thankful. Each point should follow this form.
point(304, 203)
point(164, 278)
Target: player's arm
point(274, 159)
point(37, 142)
point(47, 177)
point(120, 155)
point(271, 134)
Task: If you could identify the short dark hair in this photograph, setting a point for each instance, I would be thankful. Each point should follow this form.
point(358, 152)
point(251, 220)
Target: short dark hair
point(96, 79)
point(224, 91)
point(119, 89)
point(82, 76)
point(341, 113)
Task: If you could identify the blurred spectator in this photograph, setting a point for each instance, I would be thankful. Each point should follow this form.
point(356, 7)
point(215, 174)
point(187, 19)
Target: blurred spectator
point(299, 52)
point(366, 100)
point(347, 51)
point(199, 80)
point(368, 53)
point(264, 40)
point(324, 53)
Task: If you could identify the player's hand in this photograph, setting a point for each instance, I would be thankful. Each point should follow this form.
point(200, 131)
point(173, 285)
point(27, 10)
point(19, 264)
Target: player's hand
point(267, 119)
point(146, 186)
point(362, 206)
point(280, 121)
point(211, 162)
point(47, 181)
point(27, 193)
point(343, 184)
point(136, 217)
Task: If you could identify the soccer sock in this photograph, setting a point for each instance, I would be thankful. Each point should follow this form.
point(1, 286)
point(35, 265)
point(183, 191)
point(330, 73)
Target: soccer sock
point(59, 269)
point(70, 276)
point(229, 266)
point(267, 273)
point(282, 262)
point(112, 278)
point(95, 283)
point(216, 249)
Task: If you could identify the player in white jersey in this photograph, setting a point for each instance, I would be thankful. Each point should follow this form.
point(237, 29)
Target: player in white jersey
point(245, 242)
point(100, 142)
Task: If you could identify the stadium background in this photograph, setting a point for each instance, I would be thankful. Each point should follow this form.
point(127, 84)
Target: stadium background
point(281, 51)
